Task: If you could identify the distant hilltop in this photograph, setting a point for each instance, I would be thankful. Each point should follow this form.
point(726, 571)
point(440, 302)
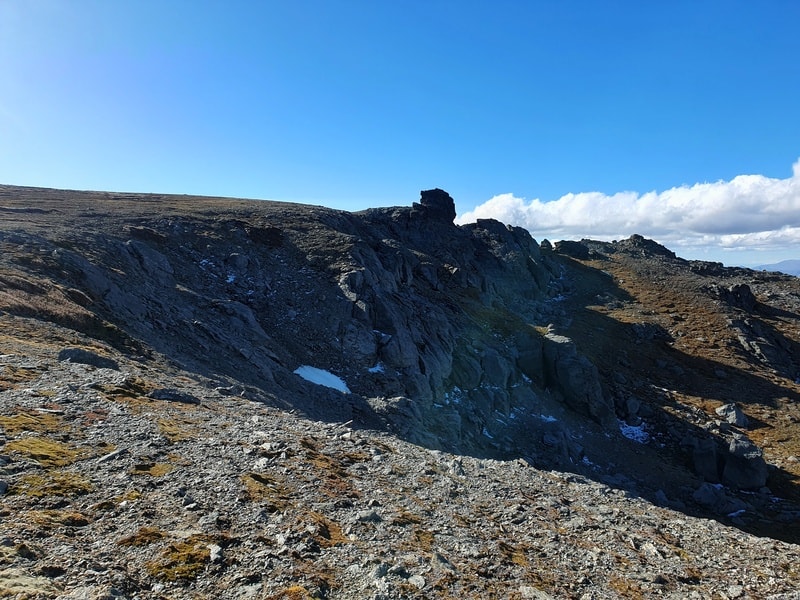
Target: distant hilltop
point(790, 267)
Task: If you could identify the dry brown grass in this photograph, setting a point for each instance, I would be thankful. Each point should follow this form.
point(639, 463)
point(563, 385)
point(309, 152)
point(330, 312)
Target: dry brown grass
point(143, 537)
point(267, 490)
point(52, 483)
point(153, 469)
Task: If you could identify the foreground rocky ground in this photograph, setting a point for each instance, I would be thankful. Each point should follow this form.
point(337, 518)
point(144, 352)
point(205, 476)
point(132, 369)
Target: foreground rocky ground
point(115, 494)
point(592, 420)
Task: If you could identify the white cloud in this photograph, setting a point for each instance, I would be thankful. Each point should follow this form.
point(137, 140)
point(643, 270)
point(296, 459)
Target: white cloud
point(749, 212)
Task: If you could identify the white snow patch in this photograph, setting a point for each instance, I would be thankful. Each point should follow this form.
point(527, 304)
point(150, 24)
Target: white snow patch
point(230, 278)
point(379, 368)
point(548, 418)
point(637, 434)
point(322, 377)
point(487, 434)
point(736, 513)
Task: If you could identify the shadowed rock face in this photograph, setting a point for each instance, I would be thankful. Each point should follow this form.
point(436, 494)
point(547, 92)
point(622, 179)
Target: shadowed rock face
point(438, 205)
point(470, 339)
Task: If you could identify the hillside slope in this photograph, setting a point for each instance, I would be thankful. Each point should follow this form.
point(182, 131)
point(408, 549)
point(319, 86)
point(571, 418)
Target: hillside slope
point(154, 419)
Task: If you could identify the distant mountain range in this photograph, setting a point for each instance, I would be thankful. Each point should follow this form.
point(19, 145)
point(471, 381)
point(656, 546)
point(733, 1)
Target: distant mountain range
point(790, 267)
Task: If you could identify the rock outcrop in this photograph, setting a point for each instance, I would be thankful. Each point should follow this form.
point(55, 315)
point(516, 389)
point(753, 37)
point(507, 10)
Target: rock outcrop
point(140, 334)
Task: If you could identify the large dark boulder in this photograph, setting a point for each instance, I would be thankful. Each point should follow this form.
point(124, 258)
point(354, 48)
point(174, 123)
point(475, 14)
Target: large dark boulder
point(437, 204)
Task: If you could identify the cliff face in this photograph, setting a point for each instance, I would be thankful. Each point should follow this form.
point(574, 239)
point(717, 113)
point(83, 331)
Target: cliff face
point(431, 326)
point(471, 339)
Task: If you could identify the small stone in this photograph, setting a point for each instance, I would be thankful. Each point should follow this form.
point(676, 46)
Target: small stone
point(531, 593)
point(173, 395)
point(369, 516)
point(418, 581)
point(735, 591)
point(215, 553)
point(3, 487)
point(379, 571)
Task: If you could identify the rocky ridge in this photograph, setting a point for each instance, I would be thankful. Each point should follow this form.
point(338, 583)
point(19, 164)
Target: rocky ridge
point(521, 420)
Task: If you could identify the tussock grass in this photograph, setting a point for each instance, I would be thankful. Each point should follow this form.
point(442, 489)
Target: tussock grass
point(52, 483)
point(46, 451)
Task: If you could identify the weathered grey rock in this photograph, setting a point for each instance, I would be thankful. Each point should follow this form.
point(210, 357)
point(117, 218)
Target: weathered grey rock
point(706, 459)
point(745, 467)
point(173, 395)
point(733, 414)
point(530, 356)
point(87, 357)
point(739, 295)
point(153, 262)
point(496, 369)
point(576, 378)
point(713, 496)
point(466, 372)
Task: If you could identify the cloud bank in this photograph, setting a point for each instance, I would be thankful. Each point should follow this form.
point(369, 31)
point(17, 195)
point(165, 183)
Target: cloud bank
point(747, 213)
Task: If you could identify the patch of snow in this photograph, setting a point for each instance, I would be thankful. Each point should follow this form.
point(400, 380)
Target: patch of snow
point(322, 377)
point(637, 434)
point(230, 278)
point(548, 418)
point(378, 368)
point(487, 434)
point(736, 513)
point(453, 396)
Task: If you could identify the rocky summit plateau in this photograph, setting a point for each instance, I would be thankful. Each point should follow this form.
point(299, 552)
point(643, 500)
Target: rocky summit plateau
point(236, 399)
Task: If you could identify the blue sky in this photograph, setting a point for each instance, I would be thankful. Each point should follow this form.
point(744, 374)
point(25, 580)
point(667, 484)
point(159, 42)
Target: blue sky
point(572, 118)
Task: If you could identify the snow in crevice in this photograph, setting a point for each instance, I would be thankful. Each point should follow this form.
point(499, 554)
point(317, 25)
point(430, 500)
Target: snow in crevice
point(454, 396)
point(637, 433)
point(322, 377)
